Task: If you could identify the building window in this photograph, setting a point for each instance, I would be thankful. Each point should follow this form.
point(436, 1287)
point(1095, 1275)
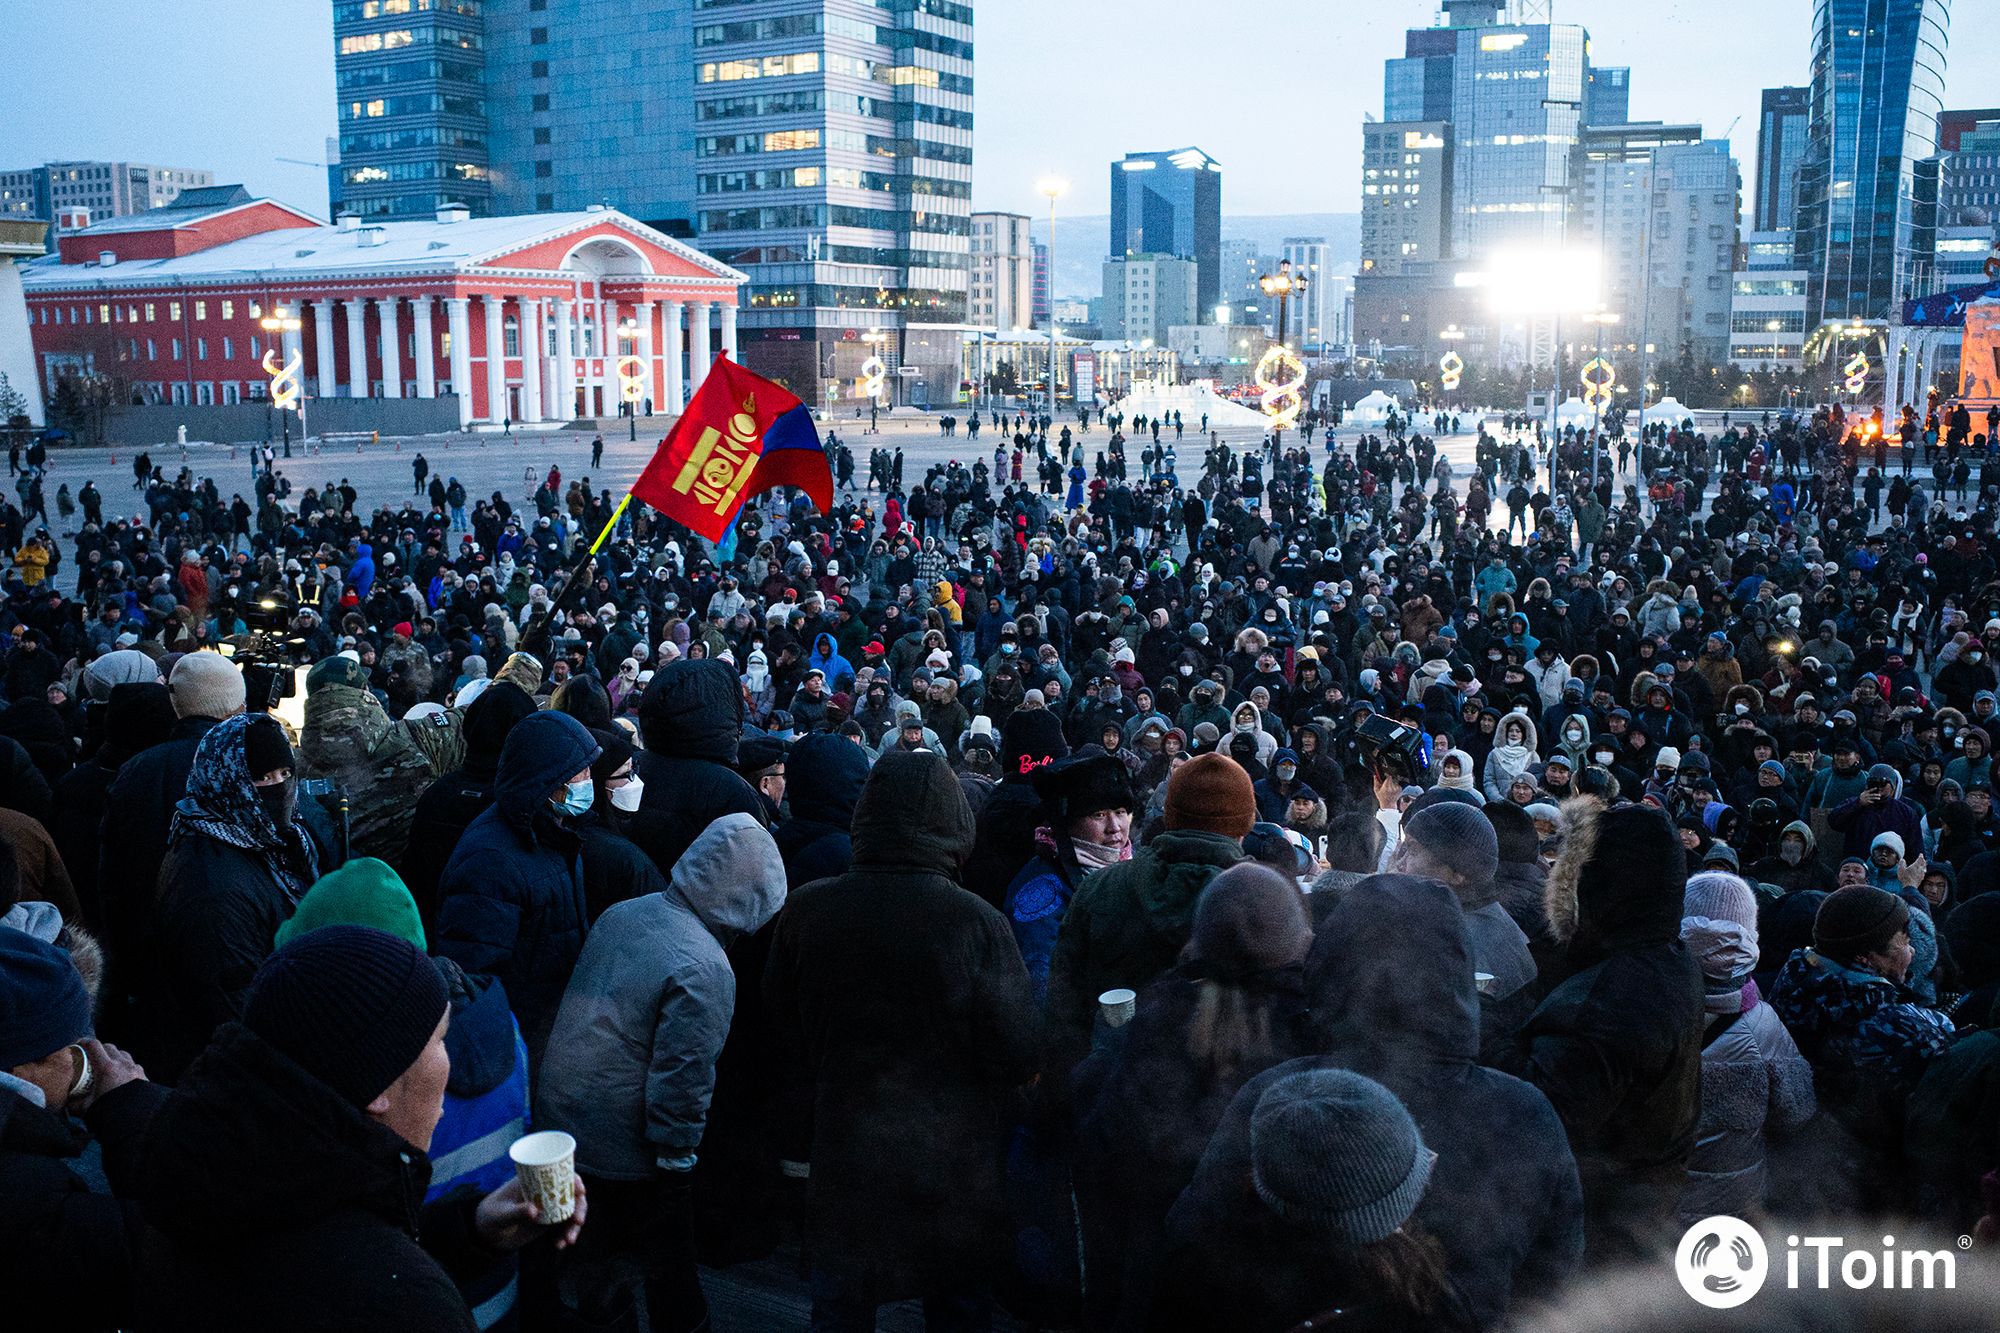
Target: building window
point(510, 337)
point(228, 349)
point(544, 170)
point(541, 102)
point(204, 394)
point(177, 349)
point(229, 310)
point(201, 310)
point(152, 352)
point(179, 391)
point(201, 349)
point(232, 392)
point(539, 69)
point(545, 203)
point(149, 312)
point(174, 311)
point(538, 36)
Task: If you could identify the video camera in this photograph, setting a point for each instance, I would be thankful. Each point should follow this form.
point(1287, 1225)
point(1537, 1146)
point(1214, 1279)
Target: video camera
point(267, 652)
point(1395, 749)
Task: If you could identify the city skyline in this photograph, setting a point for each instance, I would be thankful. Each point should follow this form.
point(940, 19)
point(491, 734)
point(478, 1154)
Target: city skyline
point(247, 104)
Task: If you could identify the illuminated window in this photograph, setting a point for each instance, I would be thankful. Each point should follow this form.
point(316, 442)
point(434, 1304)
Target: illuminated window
point(901, 75)
point(149, 312)
point(173, 310)
point(769, 67)
point(104, 314)
point(229, 310)
point(807, 177)
point(788, 141)
point(1502, 41)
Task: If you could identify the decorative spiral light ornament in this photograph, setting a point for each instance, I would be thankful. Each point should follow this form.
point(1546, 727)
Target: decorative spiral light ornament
point(1282, 400)
point(1856, 371)
point(632, 378)
point(873, 372)
point(1450, 368)
point(286, 387)
point(1600, 380)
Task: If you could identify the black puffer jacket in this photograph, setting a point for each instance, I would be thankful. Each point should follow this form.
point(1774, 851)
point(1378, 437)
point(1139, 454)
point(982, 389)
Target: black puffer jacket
point(57, 1237)
point(138, 815)
point(270, 1203)
point(1390, 976)
point(915, 1017)
point(691, 719)
point(1616, 1045)
point(512, 901)
point(827, 775)
point(449, 805)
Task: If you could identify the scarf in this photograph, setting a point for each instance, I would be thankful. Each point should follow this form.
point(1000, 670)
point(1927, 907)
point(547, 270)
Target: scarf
point(221, 803)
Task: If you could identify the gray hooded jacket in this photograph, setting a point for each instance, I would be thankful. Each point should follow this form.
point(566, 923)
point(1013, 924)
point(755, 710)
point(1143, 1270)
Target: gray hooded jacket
point(630, 1065)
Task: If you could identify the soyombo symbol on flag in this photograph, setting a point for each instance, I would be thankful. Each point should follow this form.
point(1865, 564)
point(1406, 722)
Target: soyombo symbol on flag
point(741, 435)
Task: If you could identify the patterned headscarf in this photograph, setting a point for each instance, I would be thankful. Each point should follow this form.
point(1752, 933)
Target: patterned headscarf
point(221, 803)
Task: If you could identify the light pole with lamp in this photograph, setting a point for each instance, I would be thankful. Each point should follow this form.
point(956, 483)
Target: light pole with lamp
point(287, 393)
point(1598, 392)
point(1279, 358)
point(631, 374)
point(1051, 188)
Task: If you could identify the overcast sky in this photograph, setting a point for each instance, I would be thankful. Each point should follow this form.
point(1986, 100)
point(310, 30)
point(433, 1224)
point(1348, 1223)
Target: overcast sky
point(1065, 86)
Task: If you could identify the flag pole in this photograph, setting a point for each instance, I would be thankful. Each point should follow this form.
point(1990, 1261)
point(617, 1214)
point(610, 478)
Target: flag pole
point(536, 633)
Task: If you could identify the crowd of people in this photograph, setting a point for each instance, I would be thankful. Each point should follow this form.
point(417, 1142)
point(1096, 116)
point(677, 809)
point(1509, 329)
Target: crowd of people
point(1296, 896)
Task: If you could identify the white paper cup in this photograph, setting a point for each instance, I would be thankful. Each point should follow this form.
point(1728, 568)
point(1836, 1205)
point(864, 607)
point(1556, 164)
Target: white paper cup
point(546, 1164)
point(1483, 982)
point(1118, 1006)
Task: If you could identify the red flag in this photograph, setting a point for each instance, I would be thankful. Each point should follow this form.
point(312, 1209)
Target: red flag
point(741, 434)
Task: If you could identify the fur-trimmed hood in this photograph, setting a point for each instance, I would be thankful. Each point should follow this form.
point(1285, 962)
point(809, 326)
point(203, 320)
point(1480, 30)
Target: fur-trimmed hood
point(1618, 881)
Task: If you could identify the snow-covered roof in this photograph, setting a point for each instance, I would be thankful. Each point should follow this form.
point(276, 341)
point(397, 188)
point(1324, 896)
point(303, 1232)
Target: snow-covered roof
point(376, 249)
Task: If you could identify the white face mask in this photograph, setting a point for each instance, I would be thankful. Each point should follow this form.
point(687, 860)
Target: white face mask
point(627, 797)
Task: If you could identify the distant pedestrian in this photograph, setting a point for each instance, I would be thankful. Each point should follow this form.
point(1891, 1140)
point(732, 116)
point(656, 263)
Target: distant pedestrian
point(597, 453)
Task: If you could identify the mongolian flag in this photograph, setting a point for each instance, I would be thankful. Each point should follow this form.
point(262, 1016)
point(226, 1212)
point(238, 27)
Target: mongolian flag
point(741, 435)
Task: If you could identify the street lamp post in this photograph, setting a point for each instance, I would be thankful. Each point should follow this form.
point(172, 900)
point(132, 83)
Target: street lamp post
point(631, 374)
point(287, 394)
point(1281, 285)
point(1598, 397)
point(1052, 188)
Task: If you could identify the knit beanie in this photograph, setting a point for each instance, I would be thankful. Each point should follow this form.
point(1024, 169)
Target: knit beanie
point(1888, 838)
point(1249, 919)
point(1458, 838)
point(351, 1005)
point(138, 716)
point(265, 749)
point(1719, 927)
point(127, 666)
point(1033, 737)
point(364, 892)
point(1211, 793)
point(1337, 1154)
point(44, 1005)
point(207, 685)
point(1514, 831)
point(1856, 920)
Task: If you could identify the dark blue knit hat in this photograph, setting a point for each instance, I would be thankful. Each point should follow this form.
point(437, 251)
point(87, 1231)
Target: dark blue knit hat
point(43, 1003)
point(351, 1005)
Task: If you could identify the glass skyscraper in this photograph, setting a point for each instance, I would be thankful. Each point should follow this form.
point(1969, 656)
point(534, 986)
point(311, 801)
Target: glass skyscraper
point(1171, 204)
point(1513, 95)
point(410, 82)
point(1864, 218)
point(1782, 126)
point(824, 147)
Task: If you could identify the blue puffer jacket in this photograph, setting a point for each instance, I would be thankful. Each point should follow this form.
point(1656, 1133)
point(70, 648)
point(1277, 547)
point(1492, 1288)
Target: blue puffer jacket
point(511, 902)
point(1868, 1042)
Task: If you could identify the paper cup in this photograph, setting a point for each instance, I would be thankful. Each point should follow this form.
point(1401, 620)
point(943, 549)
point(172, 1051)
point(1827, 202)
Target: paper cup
point(546, 1163)
point(1483, 982)
point(1118, 1006)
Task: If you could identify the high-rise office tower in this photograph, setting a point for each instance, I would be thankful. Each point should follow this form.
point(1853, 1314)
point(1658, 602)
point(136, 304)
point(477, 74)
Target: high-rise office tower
point(823, 147)
point(1171, 204)
point(1002, 294)
point(410, 87)
point(1311, 313)
point(1781, 145)
point(1864, 229)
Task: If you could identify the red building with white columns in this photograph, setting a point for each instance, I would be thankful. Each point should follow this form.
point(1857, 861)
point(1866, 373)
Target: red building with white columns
point(520, 319)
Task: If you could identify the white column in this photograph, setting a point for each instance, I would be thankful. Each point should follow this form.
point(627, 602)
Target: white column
point(607, 370)
point(676, 395)
point(392, 348)
point(729, 330)
point(357, 349)
point(458, 313)
point(565, 404)
point(644, 351)
point(531, 359)
point(323, 346)
point(698, 353)
point(496, 359)
point(426, 350)
point(290, 346)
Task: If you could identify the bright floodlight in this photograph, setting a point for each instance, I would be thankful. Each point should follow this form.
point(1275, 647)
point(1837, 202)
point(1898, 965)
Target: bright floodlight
point(1539, 282)
point(1054, 187)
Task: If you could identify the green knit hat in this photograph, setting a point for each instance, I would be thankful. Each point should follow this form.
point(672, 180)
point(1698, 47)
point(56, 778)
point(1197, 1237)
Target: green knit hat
point(364, 892)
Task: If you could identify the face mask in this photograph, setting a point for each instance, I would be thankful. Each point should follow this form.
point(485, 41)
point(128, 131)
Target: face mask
point(1009, 649)
point(627, 797)
point(1603, 758)
point(280, 802)
point(1286, 772)
point(1792, 853)
point(576, 799)
point(1743, 710)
